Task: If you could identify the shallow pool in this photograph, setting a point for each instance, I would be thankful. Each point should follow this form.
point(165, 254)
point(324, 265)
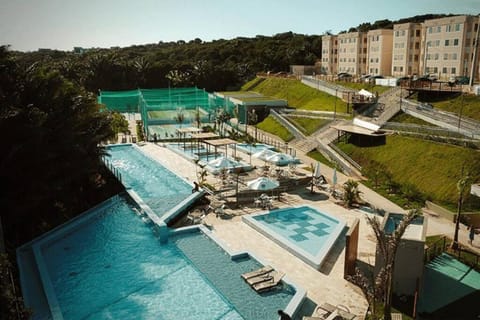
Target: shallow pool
point(112, 266)
point(158, 187)
point(304, 231)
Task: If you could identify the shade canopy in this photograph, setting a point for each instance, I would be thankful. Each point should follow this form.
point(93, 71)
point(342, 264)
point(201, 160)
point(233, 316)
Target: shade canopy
point(264, 154)
point(263, 184)
point(280, 158)
point(216, 165)
point(334, 178)
point(317, 173)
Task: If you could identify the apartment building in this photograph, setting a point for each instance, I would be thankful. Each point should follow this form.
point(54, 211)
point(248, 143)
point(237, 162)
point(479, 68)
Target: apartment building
point(379, 52)
point(352, 53)
point(406, 49)
point(448, 47)
point(329, 54)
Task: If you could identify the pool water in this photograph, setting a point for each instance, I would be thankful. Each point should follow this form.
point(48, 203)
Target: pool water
point(305, 231)
point(113, 267)
point(157, 186)
point(394, 220)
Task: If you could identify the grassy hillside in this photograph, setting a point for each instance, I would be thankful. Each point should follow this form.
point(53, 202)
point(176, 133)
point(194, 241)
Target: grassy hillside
point(433, 168)
point(274, 127)
point(297, 94)
point(471, 106)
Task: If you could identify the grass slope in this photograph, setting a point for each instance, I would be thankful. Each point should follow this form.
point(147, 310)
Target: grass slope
point(434, 168)
point(296, 93)
point(471, 106)
point(274, 127)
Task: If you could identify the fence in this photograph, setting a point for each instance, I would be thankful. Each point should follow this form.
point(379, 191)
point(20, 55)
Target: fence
point(112, 169)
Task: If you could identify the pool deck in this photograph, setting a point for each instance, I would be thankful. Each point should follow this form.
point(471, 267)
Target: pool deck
point(326, 284)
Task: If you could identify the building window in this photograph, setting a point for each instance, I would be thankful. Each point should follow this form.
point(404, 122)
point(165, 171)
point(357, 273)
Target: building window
point(445, 56)
point(444, 70)
point(448, 28)
point(430, 30)
point(396, 33)
point(437, 43)
point(447, 43)
point(435, 69)
point(415, 58)
point(454, 56)
point(454, 70)
point(417, 45)
point(455, 42)
point(417, 33)
point(436, 56)
point(439, 29)
point(457, 27)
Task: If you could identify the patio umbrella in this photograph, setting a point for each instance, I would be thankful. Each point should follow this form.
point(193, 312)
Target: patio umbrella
point(264, 154)
point(317, 173)
point(263, 184)
point(334, 179)
point(216, 165)
point(280, 159)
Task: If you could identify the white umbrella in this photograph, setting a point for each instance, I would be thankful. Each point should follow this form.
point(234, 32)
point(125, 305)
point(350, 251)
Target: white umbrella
point(317, 173)
point(280, 158)
point(264, 154)
point(262, 184)
point(334, 179)
point(216, 165)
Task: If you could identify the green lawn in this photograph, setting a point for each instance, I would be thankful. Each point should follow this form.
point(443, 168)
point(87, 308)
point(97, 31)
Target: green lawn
point(471, 106)
point(432, 168)
point(297, 94)
point(307, 125)
point(272, 126)
point(320, 157)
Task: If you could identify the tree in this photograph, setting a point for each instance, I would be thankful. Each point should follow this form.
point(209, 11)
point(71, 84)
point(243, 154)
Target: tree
point(463, 185)
point(351, 194)
point(381, 286)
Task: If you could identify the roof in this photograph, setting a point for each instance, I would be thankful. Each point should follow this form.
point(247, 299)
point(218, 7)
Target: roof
point(220, 142)
point(204, 135)
point(359, 130)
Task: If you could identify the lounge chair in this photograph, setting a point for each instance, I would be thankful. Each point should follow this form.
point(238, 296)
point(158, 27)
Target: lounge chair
point(276, 277)
point(262, 271)
point(261, 278)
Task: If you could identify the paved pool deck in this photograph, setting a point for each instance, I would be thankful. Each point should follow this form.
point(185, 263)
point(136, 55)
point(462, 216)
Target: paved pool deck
point(326, 284)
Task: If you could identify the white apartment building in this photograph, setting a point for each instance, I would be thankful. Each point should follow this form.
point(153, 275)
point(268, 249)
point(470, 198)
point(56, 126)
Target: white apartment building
point(448, 46)
point(329, 54)
point(406, 49)
point(379, 52)
point(352, 53)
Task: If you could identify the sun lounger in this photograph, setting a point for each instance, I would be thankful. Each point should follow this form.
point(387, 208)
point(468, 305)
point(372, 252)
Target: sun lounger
point(263, 277)
point(269, 284)
point(262, 271)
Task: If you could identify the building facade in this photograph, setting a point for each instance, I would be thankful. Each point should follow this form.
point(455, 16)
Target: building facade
point(444, 48)
point(352, 53)
point(448, 47)
point(406, 49)
point(329, 54)
point(379, 52)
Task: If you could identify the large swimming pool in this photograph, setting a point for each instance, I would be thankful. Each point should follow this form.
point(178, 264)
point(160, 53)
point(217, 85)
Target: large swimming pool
point(111, 265)
point(306, 232)
point(158, 187)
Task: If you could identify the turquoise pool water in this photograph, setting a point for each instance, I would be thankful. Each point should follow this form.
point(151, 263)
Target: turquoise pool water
point(394, 220)
point(305, 231)
point(114, 267)
point(157, 186)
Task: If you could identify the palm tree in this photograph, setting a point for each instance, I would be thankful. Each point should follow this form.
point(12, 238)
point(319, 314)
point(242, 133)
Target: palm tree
point(381, 287)
point(351, 193)
point(463, 185)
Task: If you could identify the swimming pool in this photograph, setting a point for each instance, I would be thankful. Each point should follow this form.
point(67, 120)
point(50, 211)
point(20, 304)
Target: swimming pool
point(304, 231)
point(109, 264)
point(157, 186)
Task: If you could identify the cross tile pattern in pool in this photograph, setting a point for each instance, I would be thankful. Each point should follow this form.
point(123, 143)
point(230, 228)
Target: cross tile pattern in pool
point(305, 231)
point(113, 266)
point(158, 187)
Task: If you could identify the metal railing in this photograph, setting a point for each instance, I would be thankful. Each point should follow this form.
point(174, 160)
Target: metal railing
point(112, 169)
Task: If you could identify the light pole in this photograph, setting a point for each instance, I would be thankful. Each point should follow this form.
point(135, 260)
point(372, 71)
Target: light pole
point(335, 105)
point(460, 115)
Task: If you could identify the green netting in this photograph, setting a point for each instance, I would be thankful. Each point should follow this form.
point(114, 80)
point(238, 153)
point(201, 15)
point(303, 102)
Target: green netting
point(158, 106)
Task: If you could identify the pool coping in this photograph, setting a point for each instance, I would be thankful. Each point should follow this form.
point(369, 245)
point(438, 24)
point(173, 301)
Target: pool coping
point(37, 244)
point(314, 261)
point(295, 303)
point(64, 229)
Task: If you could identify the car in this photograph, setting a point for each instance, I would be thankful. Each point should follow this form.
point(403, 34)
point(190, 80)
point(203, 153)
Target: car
point(343, 75)
point(462, 80)
point(425, 106)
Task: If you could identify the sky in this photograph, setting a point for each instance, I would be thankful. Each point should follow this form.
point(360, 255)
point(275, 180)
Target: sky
point(28, 25)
